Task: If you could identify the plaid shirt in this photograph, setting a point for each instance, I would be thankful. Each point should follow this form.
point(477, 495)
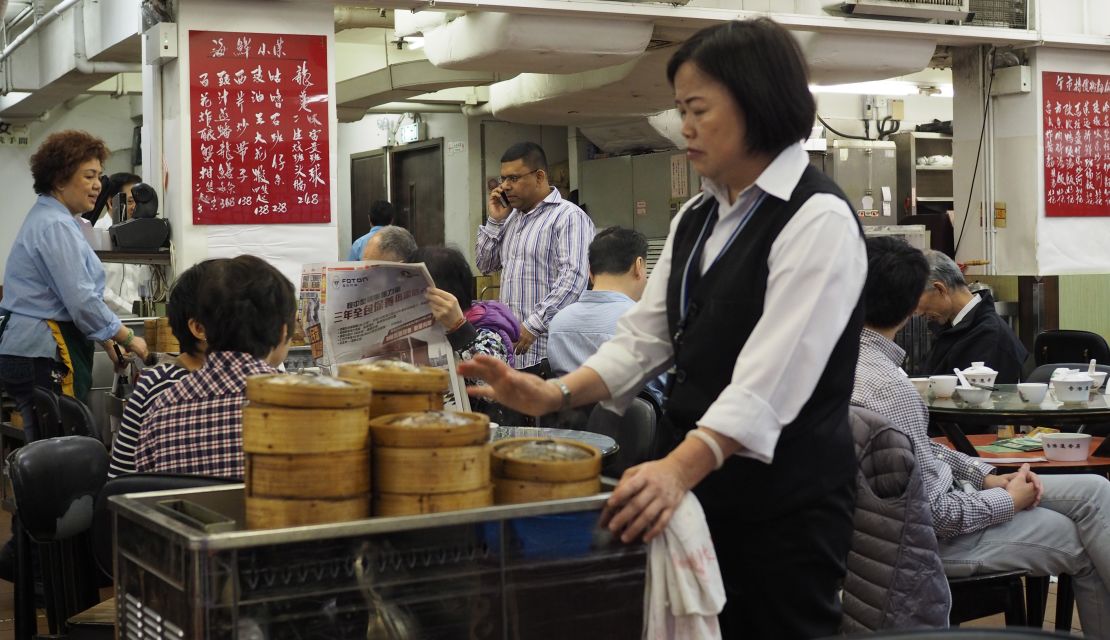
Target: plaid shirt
point(197, 425)
point(544, 254)
point(953, 480)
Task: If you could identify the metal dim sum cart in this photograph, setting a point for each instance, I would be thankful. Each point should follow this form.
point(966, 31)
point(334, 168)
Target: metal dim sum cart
point(185, 568)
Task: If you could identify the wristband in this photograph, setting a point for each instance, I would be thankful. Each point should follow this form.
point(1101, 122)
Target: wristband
point(563, 389)
point(709, 442)
point(129, 339)
point(458, 325)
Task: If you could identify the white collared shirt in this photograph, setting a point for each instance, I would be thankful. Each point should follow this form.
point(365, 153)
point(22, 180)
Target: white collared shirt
point(817, 267)
point(975, 299)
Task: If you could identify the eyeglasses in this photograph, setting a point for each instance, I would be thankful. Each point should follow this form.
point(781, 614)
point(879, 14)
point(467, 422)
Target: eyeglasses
point(515, 179)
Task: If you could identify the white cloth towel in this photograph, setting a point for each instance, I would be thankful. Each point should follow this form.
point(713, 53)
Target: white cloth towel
point(683, 592)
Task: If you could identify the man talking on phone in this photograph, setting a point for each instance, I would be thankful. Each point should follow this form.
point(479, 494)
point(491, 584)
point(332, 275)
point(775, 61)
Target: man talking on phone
point(540, 242)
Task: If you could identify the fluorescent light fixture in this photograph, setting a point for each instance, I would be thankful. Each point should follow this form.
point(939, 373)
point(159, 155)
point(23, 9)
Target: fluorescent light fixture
point(414, 42)
point(886, 88)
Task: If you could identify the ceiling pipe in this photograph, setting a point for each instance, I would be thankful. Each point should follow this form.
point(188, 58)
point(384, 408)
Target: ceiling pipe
point(80, 56)
point(414, 107)
point(481, 110)
point(46, 19)
point(360, 17)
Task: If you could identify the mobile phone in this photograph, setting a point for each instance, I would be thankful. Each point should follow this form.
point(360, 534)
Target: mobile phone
point(492, 184)
point(504, 200)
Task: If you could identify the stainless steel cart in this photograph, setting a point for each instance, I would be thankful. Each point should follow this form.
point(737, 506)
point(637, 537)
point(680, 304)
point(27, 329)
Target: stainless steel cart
point(186, 569)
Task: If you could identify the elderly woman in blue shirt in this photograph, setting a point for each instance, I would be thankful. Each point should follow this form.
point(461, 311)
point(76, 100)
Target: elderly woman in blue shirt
point(54, 283)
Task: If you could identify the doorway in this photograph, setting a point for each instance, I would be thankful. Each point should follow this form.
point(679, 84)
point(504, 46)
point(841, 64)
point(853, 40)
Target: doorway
point(368, 183)
point(416, 186)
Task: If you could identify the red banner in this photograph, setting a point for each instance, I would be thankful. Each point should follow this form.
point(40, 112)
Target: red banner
point(1076, 114)
point(259, 128)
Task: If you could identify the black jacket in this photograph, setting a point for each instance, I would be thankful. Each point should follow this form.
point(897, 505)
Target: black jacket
point(981, 337)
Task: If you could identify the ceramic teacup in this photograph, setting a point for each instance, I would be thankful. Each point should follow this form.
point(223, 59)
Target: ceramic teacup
point(942, 386)
point(1032, 392)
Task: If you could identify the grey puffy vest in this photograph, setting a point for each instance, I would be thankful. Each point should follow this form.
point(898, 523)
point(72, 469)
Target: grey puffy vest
point(895, 578)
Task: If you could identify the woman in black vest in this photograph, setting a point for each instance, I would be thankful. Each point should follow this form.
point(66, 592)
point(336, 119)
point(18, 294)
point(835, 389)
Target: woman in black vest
point(754, 309)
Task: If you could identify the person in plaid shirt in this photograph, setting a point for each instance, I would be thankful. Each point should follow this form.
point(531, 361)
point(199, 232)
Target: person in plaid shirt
point(247, 309)
point(985, 522)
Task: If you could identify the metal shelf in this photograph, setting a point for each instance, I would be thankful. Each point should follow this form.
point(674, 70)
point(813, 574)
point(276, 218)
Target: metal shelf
point(159, 256)
point(925, 167)
point(934, 199)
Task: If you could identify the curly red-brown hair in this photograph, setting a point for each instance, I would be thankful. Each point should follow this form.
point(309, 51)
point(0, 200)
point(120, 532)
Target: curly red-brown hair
point(59, 156)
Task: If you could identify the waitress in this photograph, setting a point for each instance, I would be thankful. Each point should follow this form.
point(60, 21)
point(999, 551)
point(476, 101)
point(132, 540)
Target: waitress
point(54, 282)
point(754, 306)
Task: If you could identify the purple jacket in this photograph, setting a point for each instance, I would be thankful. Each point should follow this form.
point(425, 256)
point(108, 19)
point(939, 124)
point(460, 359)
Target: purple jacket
point(499, 319)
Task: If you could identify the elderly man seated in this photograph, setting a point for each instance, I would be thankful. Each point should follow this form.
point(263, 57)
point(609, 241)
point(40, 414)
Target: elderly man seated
point(967, 328)
point(984, 522)
point(390, 243)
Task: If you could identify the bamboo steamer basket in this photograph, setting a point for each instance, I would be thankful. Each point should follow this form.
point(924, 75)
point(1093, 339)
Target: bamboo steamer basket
point(399, 386)
point(388, 402)
point(512, 491)
point(545, 460)
point(270, 429)
point(430, 429)
point(430, 470)
point(167, 342)
point(344, 474)
point(405, 504)
point(396, 376)
point(307, 392)
point(150, 334)
point(272, 513)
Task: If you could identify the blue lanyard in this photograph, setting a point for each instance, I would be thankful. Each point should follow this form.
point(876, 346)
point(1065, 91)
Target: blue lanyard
point(702, 239)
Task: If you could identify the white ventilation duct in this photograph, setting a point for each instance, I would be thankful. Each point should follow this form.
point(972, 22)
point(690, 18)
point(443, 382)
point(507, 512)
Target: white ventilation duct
point(626, 136)
point(520, 43)
point(362, 17)
point(399, 81)
point(838, 59)
point(633, 89)
point(414, 23)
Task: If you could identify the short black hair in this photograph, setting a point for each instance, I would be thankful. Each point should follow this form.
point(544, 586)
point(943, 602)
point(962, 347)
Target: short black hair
point(529, 152)
point(181, 305)
point(244, 303)
point(451, 272)
point(381, 213)
point(896, 276)
point(615, 249)
point(762, 66)
point(110, 187)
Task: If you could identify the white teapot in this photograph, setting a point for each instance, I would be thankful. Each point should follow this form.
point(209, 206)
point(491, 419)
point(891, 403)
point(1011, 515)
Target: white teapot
point(980, 374)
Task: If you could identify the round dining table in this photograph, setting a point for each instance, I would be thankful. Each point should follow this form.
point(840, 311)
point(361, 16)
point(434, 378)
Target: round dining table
point(1093, 464)
point(1005, 406)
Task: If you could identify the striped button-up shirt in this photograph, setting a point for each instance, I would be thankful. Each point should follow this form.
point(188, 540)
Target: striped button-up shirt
point(953, 480)
point(196, 426)
point(544, 258)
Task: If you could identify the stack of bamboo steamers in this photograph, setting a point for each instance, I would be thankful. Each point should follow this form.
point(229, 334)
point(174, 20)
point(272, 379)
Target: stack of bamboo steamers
point(377, 441)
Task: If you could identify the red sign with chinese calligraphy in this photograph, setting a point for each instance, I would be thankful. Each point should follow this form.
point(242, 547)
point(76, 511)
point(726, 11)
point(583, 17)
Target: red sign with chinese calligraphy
point(259, 128)
point(1076, 114)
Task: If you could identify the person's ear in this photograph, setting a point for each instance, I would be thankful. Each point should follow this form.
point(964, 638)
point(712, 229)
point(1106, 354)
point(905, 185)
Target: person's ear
point(197, 329)
point(641, 268)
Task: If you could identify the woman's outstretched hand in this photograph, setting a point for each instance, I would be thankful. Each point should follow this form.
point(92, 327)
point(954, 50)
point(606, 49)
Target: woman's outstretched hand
point(523, 392)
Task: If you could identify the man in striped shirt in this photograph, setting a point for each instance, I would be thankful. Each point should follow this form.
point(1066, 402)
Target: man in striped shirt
point(540, 242)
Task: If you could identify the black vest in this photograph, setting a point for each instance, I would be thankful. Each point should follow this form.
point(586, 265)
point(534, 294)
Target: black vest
point(815, 453)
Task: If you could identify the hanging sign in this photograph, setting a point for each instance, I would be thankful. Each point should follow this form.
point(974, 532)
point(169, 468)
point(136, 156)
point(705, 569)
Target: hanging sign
point(1076, 117)
point(259, 128)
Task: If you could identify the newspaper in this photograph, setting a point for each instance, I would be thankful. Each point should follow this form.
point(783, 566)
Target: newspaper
point(363, 311)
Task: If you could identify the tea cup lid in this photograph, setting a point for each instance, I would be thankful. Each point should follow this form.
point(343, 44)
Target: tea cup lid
point(978, 368)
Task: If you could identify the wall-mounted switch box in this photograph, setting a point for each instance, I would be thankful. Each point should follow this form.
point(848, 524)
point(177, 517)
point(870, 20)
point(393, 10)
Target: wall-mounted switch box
point(160, 43)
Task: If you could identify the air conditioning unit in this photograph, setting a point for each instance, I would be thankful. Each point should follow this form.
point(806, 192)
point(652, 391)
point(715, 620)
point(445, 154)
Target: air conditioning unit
point(939, 10)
